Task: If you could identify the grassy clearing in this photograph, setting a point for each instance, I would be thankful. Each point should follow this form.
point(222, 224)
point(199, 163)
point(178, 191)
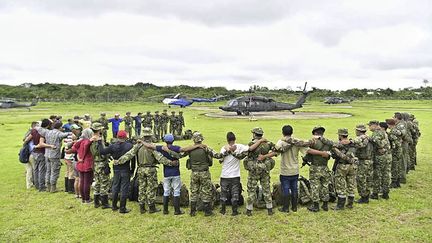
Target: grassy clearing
point(33, 216)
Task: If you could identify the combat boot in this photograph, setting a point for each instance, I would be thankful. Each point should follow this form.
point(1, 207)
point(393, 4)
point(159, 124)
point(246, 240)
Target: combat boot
point(142, 208)
point(114, 203)
point(104, 201)
point(363, 200)
point(96, 201)
point(385, 196)
point(53, 188)
point(223, 207)
point(294, 202)
point(234, 208)
point(48, 188)
point(71, 184)
point(66, 184)
point(207, 209)
point(123, 208)
point(340, 204)
point(248, 212)
point(153, 209)
point(285, 204)
point(402, 180)
point(350, 202)
point(374, 196)
point(325, 206)
point(193, 209)
point(398, 183)
point(177, 210)
point(270, 211)
point(393, 184)
point(165, 204)
point(314, 207)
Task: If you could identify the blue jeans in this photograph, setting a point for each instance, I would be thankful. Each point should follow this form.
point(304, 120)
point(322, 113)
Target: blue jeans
point(289, 184)
point(173, 182)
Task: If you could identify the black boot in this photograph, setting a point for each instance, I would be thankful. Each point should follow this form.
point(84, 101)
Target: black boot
point(177, 210)
point(393, 184)
point(340, 204)
point(402, 180)
point(223, 207)
point(105, 203)
point(314, 207)
point(114, 202)
point(398, 183)
point(248, 212)
point(285, 204)
point(385, 196)
point(207, 209)
point(193, 209)
point(123, 208)
point(165, 204)
point(142, 208)
point(71, 186)
point(294, 202)
point(374, 196)
point(350, 202)
point(66, 184)
point(325, 206)
point(270, 211)
point(96, 201)
point(153, 209)
point(234, 208)
point(363, 200)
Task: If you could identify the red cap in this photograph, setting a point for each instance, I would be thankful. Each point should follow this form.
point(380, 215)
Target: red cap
point(122, 134)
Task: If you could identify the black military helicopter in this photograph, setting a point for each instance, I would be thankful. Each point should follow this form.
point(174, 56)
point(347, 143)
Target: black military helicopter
point(336, 100)
point(246, 104)
point(11, 103)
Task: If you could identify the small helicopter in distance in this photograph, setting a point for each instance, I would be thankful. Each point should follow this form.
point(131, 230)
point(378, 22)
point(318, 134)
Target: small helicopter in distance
point(182, 101)
point(246, 104)
point(12, 103)
point(336, 100)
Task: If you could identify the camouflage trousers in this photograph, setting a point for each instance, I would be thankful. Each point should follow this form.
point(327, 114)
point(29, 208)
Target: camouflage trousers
point(319, 178)
point(201, 185)
point(147, 184)
point(364, 177)
point(405, 159)
point(172, 129)
point(381, 173)
point(345, 180)
point(128, 129)
point(156, 131)
point(163, 129)
point(412, 156)
point(102, 180)
point(105, 135)
point(397, 165)
point(179, 130)
point(264, 179)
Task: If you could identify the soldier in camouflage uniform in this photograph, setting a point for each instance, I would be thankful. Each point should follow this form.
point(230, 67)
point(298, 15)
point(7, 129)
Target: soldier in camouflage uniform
point(157, 125)
point(365, 170)
point(101, 173)
point(412, 135)
point(172, 123)
point(382, 160)
point(104, 121)
point(128, 121)
point(319, 173)
point(147, 120)
point(344, 155)
point(259, 166)
point(415, 136)
point(164, 123)
point(147, 160)
point(180, 123)
point(200, 159)
point(402, 127)
point(395, 138)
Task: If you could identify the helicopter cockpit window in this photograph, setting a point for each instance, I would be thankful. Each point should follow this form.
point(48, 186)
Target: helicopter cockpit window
point(243, 104)
point(233, 103)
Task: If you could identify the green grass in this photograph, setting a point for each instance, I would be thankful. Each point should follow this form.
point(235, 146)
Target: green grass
point(27, 215)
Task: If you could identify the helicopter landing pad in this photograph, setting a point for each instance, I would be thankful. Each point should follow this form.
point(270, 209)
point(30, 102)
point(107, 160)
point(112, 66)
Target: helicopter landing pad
point(279, 115)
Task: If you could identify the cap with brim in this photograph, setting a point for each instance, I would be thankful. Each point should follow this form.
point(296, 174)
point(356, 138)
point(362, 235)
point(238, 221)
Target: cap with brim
point(97, 126)
point(343, 132)
point(319, 127)
point(169, 138)
point(75, 127)
point(373, 122)
point(361, 128)
point(147, 132)
point(197, 137)
point(257, 130)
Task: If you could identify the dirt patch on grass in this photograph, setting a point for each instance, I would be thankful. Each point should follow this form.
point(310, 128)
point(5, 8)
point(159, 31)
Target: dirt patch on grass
point(279, 115)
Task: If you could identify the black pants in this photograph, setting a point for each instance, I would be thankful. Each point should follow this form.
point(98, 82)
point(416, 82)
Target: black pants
point(121, 181)
point(230, 189)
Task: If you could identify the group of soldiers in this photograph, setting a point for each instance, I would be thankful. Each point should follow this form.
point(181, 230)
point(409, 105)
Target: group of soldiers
point(373, 164)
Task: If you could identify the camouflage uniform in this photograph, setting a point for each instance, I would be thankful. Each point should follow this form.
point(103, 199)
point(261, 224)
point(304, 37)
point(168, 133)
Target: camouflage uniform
point(147, 120)
point(128, 121)
point(164, 123)
point(180, 123)
point(402, 127)
point(382, 162)
point(412, 131)
point(157, 125)
point(200, 159)
point(365, 170)
point(104, 121)
point(147, 161)
point(395, 138)
point(346, 161)
point(415, 136)
point(172, 123)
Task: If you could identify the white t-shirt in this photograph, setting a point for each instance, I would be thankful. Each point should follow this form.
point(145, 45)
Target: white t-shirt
point(230, 164)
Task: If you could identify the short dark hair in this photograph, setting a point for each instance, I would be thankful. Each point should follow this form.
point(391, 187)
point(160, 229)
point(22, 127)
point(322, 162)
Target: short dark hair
point(318, 132)
point(58, 125)
point(231, 137)
point(34, 123)
point(383, 125)
point(287, 130)
point(53, 117)
point(344, 136)
point(45, 123)
point(398, 115)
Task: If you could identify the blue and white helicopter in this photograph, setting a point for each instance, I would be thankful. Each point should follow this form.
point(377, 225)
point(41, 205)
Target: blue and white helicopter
point(178, 100)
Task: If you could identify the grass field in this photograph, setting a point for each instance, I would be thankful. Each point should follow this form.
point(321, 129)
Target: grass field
point(27, 215)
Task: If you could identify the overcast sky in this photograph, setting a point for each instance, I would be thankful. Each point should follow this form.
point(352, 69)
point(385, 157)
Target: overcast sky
point(231, 43)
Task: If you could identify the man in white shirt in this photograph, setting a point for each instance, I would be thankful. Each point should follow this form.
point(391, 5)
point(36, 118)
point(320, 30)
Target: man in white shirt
point(230, 176)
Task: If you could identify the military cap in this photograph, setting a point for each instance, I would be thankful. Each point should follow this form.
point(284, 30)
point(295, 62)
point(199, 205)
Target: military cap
point(342, 131)
point(103, 114)
point(257, 130)
point(197, 137)
point(157, 112)
point(318, 127)
point(373, 122)
point(361, 128)
point(75, 127)
point(148, 112)
point(128, 113)
point(97, 126)
point(147, 132)
point(172, 112)
point(390, 122)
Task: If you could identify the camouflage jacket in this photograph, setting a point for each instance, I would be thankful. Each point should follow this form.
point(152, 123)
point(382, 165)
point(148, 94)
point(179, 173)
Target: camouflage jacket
point(128, 120)
point(395, 138)
point(164, 118)
point(97, 157)
point(104, 122)
point(157, 120)
point(344, 153)
point(364, 148)
point(147, 121)
point(145, 157)
point(172, 120)
point(381, 142)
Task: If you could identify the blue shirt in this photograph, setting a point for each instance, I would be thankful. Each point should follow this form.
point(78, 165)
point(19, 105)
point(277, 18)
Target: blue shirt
point(138, 121)
point(115, 123)
point(67, 127)
point(170, 170)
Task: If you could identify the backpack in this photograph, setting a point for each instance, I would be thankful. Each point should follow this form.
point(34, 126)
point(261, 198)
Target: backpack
point(304, 196)
point(260, 202)
point(184, 196)
point(159, 193)
point(277, 193)
point(215, 198)
point(24, 154)
point(133, 189)
point(241, 198)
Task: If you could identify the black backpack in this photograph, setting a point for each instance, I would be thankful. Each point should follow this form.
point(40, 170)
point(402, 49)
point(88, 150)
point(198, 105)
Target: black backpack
point(24, 154)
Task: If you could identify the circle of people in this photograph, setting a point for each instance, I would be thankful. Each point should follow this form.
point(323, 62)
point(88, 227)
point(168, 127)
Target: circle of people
point(372, 164)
